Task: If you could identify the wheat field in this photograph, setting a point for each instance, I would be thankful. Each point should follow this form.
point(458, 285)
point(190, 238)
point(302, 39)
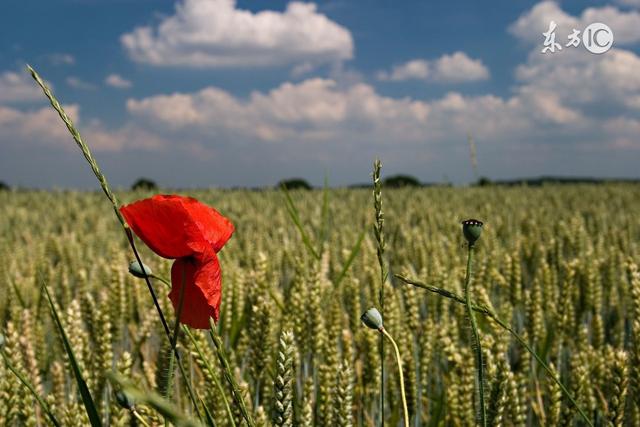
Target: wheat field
point(558, 263)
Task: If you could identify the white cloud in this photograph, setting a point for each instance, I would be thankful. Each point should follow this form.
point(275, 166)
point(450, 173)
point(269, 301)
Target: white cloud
point(77, 83)
point(319, 110)
point(43, 127)
point(117, 81)
point(458, 67)
point(18, 87)
point(214, 33)
point(530, 25)
point(415, 69)
point(582, 79)
point(451, 68)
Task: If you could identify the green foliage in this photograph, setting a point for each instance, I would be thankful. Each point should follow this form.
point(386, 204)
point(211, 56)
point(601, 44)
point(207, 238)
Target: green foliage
point(144, 184)
point(399, 181)
point(483, 181)
point(294, 184)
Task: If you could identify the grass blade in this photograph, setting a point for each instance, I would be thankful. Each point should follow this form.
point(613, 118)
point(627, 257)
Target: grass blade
point(352, 255)
point(153, 399)
point(87, 400)
point(324, 230)
point(27, 384)
point(293, 213)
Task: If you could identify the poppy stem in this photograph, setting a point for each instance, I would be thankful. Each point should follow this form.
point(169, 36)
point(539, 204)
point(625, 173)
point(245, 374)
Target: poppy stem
point(104, 184)
point(176, 327)
point(476, 346)
point(228, 374)
point(488, 312)
point(163, 320)
point(402, 391)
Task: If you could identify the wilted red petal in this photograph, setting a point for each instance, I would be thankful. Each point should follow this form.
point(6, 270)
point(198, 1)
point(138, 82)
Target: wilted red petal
point(202, 279)
point(215, 228)
point(163, 224)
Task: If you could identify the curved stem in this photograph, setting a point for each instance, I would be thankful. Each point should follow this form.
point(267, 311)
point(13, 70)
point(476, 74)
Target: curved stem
point(211, 374)
point(477, 347)
point(228, 373)
point(402, 392)
point(163, 321)
point(139, 418)
point(482, 309)
point(33, 391)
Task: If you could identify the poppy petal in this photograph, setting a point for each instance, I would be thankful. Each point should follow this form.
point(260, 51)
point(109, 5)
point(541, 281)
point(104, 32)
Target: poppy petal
point(215, 228)
point(164, 225)
point(201, 276)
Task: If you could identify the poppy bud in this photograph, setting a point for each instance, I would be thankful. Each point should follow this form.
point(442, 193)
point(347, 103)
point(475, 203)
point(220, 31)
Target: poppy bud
point(471, 228)
point(372, 318)
point(136, 271)
point(124, 400)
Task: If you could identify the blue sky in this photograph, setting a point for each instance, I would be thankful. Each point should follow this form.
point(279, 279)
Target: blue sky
point(223, 93)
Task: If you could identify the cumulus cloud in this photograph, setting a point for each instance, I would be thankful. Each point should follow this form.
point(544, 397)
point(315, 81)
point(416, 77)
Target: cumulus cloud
point(584, 80)
point(451, 68)
point(530, 25)
point(41, 125)
point(117, 81)
point(18, 87)
point(319, 110)
point(215, 33)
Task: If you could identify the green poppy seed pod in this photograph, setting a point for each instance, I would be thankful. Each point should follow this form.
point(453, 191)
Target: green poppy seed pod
point(124, 400)
point(136, 271)
point(372, 318)
point(471, 228)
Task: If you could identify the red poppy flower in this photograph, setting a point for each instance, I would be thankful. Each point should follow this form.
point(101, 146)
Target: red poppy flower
point(190, 232)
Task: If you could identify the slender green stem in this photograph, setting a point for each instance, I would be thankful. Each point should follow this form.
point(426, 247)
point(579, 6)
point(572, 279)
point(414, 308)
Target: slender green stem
point(176, 326)
point(104, 184)
point(164, 323)
point(378, 231)
point(205, 360)
point(79, 141)
point(138, 417)
point(211, 373)
point(402, 392)
point(477, 347)
point(482, 309)
point(33, 391)
point(228, 374)
point(161, 279)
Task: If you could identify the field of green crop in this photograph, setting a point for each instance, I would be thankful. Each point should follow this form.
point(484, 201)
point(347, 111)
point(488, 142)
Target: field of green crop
point(555, 263)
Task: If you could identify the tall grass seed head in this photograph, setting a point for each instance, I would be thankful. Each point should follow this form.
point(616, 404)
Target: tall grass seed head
point(471, 228)
point(372, 318)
